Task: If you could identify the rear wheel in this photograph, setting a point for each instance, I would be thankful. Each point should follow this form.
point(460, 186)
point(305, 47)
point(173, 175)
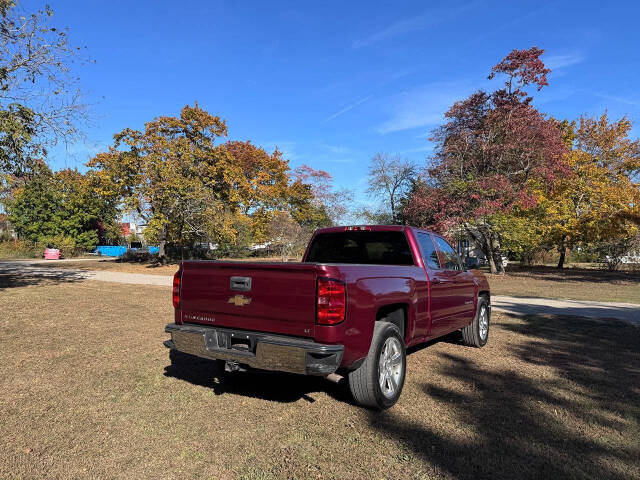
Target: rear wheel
point(378, 382)
point(477, 333)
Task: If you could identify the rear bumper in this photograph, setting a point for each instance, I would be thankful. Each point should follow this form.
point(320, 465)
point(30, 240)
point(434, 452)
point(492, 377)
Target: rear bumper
point(256, 349)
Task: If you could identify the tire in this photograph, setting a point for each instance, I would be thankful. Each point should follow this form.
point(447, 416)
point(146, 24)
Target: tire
point(372, 387)
point(476, 334)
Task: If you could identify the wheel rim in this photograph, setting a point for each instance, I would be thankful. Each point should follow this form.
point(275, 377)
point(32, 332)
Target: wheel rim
point(390, 366)
point(483, 322)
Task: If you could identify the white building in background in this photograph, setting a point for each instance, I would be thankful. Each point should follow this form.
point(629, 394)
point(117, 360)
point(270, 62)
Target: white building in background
point(131, 228)
point(6, 230)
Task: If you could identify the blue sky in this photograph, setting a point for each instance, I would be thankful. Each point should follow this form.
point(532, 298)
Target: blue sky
point(332, 83)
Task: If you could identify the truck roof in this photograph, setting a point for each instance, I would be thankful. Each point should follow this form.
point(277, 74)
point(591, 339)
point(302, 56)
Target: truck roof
point(374, 228)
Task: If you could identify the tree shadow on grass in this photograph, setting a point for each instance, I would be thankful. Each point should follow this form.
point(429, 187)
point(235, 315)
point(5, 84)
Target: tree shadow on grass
point(574, 275)
point(265, 385)
point(15, 275)
point(579, 421)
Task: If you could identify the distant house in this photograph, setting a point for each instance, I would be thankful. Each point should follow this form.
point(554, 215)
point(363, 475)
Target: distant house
point(125, 229)
point(6, 230)
point(467, 249)
point(130, 228)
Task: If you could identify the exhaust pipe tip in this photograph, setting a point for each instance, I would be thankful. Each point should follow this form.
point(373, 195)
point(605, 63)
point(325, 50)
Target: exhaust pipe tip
point(335, 378)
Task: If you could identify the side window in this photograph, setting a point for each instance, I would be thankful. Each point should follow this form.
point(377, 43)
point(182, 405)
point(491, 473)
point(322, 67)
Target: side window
point(451, 259)
point(429, 251)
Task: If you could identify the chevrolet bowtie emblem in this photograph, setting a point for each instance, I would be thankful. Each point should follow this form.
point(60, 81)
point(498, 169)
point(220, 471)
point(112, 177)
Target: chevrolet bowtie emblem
point(239, 300)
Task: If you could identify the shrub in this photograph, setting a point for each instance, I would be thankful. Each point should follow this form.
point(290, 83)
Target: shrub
point(67, 245)
point(20, 249)
point(139, 257)
point(582, 256)
point(611, 252)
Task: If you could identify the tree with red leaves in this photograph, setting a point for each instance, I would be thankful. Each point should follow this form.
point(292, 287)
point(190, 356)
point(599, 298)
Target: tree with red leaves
point(493, 149)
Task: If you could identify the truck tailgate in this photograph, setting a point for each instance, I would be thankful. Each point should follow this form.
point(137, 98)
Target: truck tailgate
point(269, 297)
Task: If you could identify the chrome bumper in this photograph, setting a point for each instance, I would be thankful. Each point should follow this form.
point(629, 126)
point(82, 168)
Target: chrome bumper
point(256, 349)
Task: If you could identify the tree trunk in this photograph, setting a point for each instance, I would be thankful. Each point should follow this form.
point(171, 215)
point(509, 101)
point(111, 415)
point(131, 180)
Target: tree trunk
point(492, 264)
point(497, 252)
point(563, 250)
point(162, 244)
point(483, 242)
point(487, 249)
point(393, 211)
point(493, 252)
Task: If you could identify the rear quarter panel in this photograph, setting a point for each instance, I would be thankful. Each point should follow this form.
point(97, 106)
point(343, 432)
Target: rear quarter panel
point(481, 281)
point(369, 288)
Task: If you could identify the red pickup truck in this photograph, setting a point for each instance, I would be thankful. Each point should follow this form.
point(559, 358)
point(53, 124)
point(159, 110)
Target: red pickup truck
point(358, 299)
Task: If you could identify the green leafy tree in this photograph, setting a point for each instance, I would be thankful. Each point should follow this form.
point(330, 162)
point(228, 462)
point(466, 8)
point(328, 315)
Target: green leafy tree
point(84, 215)
point(33, 209)
point(62, 209)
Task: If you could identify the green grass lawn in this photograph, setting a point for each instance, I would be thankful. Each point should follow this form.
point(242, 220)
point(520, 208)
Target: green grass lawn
point(570, 283)
point(88, 391)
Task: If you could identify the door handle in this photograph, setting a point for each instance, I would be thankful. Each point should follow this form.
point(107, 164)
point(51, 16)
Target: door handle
point(435, 281)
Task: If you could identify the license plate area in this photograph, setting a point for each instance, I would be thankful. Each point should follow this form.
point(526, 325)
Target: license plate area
point(240, 343)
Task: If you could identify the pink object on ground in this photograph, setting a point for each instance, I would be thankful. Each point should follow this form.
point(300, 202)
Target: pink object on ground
point(52, 254)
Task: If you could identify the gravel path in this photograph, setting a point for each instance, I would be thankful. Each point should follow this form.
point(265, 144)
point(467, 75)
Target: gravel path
point(629, 312)
point(34, 269)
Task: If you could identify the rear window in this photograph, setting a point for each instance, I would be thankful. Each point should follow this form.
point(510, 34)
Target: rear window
point(375, 248)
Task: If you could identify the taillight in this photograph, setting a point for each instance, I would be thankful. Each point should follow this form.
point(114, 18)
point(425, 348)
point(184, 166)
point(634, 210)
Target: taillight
point(360, 228)
point(331, 301)
point(176, 290)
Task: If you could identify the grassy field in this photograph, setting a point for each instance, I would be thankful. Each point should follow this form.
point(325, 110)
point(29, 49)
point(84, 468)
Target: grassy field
point(87, 391)
point(547, 282)
point(570, 283)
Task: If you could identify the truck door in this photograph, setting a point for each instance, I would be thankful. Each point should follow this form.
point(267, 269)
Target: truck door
point(460, 283)
point(441, 300)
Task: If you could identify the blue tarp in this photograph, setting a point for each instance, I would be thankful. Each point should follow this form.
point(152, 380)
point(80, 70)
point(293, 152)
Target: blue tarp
point(117, 250)
point(111, 250)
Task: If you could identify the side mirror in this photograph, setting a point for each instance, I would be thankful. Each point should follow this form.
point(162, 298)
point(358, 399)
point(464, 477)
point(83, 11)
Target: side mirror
point(471, 263)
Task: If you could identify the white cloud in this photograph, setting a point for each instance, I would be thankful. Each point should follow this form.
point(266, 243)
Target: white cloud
point(86, 149)
point(422, 107)
point(633, 102)
point(555, 62)
point(336, 149)
point(425, 148)
point(412, 24)
point(351, 106)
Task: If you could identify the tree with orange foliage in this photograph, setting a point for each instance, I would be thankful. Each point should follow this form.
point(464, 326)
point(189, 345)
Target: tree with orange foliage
point(190, 190)
point(174, 177)
point(598, 202)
